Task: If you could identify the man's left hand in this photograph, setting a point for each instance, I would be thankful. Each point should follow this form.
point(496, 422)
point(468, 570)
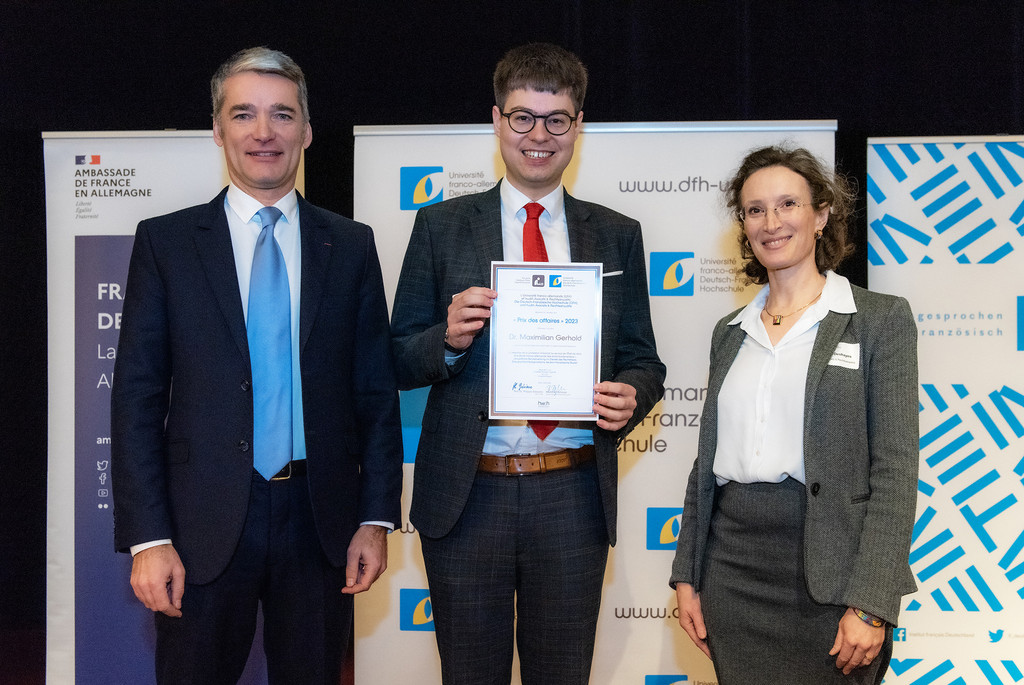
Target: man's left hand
point(614, 403)
point(367, 558)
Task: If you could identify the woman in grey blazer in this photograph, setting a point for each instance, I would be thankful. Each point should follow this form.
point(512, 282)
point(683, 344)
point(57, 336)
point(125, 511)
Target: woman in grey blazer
point(793, 547)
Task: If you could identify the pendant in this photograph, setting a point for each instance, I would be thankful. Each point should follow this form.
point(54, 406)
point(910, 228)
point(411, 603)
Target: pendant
point(776, 319)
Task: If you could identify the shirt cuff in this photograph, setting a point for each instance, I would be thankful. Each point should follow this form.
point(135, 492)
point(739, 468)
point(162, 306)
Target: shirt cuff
point(383, 524)
point(135, 549)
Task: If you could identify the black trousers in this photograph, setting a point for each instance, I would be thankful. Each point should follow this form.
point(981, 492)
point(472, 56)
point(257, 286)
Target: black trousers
point(527, 555)
point(278, 563)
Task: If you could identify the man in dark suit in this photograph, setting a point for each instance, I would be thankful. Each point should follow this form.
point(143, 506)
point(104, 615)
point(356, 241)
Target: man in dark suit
point(256, 442)
point(515, 520)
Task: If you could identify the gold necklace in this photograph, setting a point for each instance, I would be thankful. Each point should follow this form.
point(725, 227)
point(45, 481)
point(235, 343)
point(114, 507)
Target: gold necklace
point(777, 318)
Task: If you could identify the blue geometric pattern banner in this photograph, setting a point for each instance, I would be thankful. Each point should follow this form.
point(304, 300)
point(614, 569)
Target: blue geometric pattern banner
point(964, 202)
point(946, 231)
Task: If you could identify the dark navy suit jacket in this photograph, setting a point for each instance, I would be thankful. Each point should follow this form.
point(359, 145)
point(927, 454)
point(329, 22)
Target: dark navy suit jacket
point(181, 409)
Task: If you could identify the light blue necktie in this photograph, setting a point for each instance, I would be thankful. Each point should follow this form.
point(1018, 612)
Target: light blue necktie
point(269, 330)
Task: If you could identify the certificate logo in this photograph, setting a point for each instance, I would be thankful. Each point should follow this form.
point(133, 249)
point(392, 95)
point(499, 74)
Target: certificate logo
point(663, 527)
point(538, 280)
point(87, 159)
point(664, 679)
point(419, 186)
point(416, 612)
point(672, 274)
point(554, 281)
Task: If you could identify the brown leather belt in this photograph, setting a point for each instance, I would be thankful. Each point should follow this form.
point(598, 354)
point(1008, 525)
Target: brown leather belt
point(528, 464)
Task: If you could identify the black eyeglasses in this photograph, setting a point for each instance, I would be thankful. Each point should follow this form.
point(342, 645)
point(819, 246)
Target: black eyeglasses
point(522, 121)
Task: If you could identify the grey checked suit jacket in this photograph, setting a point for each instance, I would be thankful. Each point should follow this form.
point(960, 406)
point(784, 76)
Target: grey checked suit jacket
point(451, 248)
point(860, 455)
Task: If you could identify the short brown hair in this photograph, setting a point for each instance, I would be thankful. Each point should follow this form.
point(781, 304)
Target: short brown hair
point(542, 67)
point(827, 188)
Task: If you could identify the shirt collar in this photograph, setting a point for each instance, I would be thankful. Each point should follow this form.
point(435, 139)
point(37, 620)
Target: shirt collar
point(514, 200)
point(245, 206)
point(836, 296)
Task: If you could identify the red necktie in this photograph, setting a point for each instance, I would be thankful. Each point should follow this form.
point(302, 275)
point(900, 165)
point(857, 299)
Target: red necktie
point(534, 251)
point(533, 241)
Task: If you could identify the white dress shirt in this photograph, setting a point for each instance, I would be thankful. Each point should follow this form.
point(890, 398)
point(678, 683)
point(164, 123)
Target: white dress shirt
point(761, 404)
point(506, 437)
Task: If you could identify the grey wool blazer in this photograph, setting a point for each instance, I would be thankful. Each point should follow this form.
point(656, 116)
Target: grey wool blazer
point(451, 248)
point(860, 455)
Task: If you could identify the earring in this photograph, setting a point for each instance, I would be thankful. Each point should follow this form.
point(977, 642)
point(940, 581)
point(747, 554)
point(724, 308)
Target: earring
point(817, 235)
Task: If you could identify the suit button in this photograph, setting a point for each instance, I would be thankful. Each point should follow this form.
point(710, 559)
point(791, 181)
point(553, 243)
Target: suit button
point(433, 376)
point(243, 445)
point(815, 488)
point(482, 416)
point(246, 386)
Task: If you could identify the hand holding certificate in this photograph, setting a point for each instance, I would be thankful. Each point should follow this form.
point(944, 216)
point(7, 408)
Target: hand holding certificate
point(545, 340)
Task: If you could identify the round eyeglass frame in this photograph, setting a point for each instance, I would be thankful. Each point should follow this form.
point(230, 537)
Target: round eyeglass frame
point(535, 117)
point(785, 211)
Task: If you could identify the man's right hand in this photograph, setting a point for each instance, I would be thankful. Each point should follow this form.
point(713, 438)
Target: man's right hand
point(158, 578)
point(467, 313)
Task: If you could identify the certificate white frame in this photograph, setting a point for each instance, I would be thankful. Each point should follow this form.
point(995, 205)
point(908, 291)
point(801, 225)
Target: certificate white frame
point(583, 323)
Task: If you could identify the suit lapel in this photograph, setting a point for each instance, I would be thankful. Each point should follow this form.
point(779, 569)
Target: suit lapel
point(213, 243)
point(582, 238)
point(486, 239)
point(316, 255)
point(830, 332)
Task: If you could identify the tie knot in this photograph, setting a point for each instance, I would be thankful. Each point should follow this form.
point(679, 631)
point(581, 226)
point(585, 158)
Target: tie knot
point(269, 216)
point(533, 210)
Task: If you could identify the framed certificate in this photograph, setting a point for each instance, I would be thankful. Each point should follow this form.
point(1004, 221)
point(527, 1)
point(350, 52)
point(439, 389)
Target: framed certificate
point(545, 340)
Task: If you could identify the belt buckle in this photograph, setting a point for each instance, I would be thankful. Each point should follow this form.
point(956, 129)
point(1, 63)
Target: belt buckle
point(285, 477)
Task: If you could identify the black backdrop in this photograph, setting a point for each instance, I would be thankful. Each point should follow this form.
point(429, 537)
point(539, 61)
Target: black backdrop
point(879, 68)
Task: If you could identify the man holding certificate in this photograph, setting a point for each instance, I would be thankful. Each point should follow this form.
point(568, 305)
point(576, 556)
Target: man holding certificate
point(516, 513)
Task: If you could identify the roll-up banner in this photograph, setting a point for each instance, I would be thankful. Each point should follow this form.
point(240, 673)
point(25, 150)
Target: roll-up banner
point(946, 231)
point(99, 185)
point(669, 176)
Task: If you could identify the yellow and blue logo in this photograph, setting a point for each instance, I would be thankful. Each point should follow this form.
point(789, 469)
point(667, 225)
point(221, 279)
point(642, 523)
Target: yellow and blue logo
point(672, 274)
point(419, 187)
point(665, 679)
point(415, 610)
point(663, 527)
point(555, 281)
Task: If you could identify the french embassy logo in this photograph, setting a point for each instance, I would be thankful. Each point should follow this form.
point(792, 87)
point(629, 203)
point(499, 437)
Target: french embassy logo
point(419, 186)
point(415, 610)
point(663, 527)
point(672, 274)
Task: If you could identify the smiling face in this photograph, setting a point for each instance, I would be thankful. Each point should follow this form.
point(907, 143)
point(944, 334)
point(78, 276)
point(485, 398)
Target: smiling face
point(263, 133)
point(534, 161)
point(787, 243)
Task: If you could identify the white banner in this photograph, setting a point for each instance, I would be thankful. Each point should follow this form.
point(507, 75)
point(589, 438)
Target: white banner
point(99, 185)
point(946, 218)
point(669, 176)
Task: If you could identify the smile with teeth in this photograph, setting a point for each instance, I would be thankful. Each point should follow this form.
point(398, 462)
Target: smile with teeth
point(537, 154)
point(264, 154)
point(775, 242)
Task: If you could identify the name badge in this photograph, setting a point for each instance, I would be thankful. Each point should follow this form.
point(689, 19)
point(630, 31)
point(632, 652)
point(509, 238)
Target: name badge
point(846, 355)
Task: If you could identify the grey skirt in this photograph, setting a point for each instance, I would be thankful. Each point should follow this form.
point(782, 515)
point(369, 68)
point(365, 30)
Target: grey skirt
point(763, 627)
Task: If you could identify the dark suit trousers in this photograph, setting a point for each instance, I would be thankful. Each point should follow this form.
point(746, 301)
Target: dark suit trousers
point(530, 552)
point(279, 563)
